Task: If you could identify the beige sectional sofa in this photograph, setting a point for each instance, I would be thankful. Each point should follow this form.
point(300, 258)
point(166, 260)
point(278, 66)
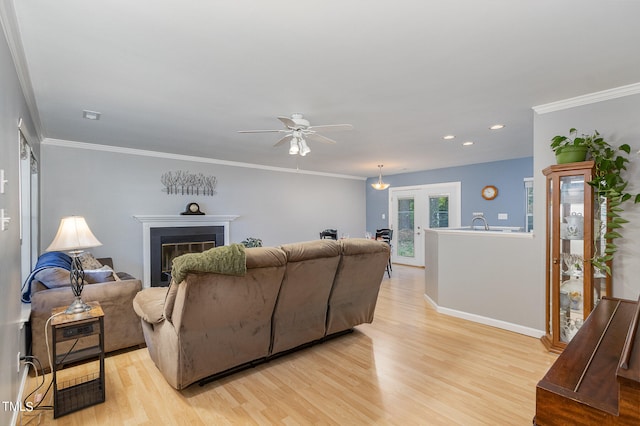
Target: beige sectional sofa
point(121, 325)
point(290, 296)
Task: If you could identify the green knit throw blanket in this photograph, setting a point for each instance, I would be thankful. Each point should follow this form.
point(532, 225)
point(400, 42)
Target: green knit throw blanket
point(226, 260)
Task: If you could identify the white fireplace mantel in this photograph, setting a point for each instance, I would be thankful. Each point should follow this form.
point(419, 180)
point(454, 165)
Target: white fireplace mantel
point(170, 221)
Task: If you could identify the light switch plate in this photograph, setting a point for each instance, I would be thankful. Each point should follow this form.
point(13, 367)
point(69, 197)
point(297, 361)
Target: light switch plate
point(503, 216)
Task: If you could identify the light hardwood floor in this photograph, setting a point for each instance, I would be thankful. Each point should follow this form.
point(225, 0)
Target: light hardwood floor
point(410, 366)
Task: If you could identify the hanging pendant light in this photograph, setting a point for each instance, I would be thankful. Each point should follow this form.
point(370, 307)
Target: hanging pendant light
point(380, 185)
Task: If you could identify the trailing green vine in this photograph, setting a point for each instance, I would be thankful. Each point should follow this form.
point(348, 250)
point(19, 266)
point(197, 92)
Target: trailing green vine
point(609, 183)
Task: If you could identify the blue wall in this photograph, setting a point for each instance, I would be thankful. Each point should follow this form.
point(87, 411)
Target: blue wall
point(508, 176)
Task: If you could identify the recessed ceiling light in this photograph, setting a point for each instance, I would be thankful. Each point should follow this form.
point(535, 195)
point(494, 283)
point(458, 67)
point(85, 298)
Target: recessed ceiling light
point(448, 137)
point(467, 143)
point(497, 127)
point(91, 115)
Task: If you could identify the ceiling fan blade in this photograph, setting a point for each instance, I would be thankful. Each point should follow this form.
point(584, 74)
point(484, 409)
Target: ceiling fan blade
point(283, 140)
point(288, 122)
point(319, 138)
point(332, 127)
point(261, 131)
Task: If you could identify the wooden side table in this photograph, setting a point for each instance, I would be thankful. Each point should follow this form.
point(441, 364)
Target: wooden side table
point(88, 328)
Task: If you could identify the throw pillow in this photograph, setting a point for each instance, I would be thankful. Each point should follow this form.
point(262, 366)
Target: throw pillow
point(100, 275)
point(53, 277)
point(88, 261)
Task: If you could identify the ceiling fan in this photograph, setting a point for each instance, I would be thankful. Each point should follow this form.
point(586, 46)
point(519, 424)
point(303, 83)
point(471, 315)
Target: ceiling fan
point(297, 130)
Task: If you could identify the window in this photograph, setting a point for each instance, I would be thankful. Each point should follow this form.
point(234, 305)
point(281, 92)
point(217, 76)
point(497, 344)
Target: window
point(528, 220)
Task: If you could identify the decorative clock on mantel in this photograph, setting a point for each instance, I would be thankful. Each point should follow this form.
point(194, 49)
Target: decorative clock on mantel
point(489, 192)
point(192, 208)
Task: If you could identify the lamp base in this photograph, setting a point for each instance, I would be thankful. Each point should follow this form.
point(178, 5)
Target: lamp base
point(77, 307)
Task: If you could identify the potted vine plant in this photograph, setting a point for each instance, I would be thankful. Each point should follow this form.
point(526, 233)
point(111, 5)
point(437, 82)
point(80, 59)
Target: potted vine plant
point(252, 242)
point(608, 182)
point(572, 148)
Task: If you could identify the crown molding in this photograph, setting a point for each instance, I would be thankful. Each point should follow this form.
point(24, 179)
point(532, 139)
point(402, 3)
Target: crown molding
point(157, 154)
point(591, 98)
point(12, 33)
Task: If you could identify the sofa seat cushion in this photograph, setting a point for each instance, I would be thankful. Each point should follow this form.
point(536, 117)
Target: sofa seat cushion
point(149, 304)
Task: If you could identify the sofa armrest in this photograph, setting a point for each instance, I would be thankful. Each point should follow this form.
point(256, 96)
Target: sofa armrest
point(121, 325)
point(149, 304)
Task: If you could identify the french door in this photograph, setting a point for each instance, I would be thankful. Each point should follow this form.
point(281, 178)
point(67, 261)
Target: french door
point(416, 208)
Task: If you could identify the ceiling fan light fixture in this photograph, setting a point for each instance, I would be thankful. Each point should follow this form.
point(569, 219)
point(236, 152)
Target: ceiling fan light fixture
point(293, 146)
point(380, 185)
point(304, 148)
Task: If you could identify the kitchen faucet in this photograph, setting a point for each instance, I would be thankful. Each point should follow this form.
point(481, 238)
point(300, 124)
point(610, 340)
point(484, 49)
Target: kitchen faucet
point(486, 225)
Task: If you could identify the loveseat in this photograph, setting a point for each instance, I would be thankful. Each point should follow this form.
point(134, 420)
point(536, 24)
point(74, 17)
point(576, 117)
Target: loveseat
point(290, 296)
point(121, 325)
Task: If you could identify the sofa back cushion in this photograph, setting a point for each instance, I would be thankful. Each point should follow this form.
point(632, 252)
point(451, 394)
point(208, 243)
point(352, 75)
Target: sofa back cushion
point(223, 320)
point(301, 311)
point(357, 282)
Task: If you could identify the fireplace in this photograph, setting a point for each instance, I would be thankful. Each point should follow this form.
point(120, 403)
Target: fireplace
point(185, 229)
point(170, 242)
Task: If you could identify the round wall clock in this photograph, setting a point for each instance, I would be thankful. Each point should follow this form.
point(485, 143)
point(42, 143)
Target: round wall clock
point(192, 208)
point(489, 192)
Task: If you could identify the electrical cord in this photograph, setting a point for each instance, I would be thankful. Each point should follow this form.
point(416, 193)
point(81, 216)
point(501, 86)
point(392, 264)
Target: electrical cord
point(38, 405)
point(46, 338)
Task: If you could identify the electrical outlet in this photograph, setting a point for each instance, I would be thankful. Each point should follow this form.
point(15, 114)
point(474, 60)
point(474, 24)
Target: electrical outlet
point(18, 365)
point(481, 214)
point(503, 216)
point(384, 216)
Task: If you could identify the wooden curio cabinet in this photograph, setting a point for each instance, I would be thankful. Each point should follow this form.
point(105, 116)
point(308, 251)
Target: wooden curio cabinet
point(576, 225)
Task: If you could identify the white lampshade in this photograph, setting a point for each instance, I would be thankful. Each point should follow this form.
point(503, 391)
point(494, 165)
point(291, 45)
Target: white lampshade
point(73, 234)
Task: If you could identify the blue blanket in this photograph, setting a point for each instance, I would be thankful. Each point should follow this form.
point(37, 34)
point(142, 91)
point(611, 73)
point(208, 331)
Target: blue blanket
point(53, 259)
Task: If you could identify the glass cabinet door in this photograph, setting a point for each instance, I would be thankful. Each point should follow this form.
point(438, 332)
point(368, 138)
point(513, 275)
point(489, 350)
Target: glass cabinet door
point(571, 271)
point(576, 225)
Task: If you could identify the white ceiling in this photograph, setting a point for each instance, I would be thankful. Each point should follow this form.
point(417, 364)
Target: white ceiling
point(183, 76)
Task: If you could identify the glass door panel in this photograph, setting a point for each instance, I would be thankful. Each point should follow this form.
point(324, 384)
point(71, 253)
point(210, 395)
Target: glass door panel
point(408, 215)
point(438, 211)
point(406, 226)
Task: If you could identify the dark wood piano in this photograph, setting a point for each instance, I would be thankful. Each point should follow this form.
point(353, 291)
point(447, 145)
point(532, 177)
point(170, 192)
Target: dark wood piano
point(596, 379)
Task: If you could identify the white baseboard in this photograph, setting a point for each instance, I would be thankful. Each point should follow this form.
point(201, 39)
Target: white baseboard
point(516, 328)
point(23, 383)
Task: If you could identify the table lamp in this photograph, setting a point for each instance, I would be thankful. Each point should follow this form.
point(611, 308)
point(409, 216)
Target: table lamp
point(74, 236)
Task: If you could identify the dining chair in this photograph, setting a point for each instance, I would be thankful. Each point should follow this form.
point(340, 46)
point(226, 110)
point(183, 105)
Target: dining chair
point(386, 235)
point(329, 234)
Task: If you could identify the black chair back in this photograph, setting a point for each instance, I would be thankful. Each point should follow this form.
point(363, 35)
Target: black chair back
point(329, 234)
point(384, 234)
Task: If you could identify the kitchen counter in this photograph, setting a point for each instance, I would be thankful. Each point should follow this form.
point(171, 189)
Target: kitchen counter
point(491, 277)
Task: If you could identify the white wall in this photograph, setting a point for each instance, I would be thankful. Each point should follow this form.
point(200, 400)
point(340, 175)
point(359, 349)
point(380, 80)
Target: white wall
point(12, 108)
point(109, 188)
point(485, 277)
point(617, 120)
